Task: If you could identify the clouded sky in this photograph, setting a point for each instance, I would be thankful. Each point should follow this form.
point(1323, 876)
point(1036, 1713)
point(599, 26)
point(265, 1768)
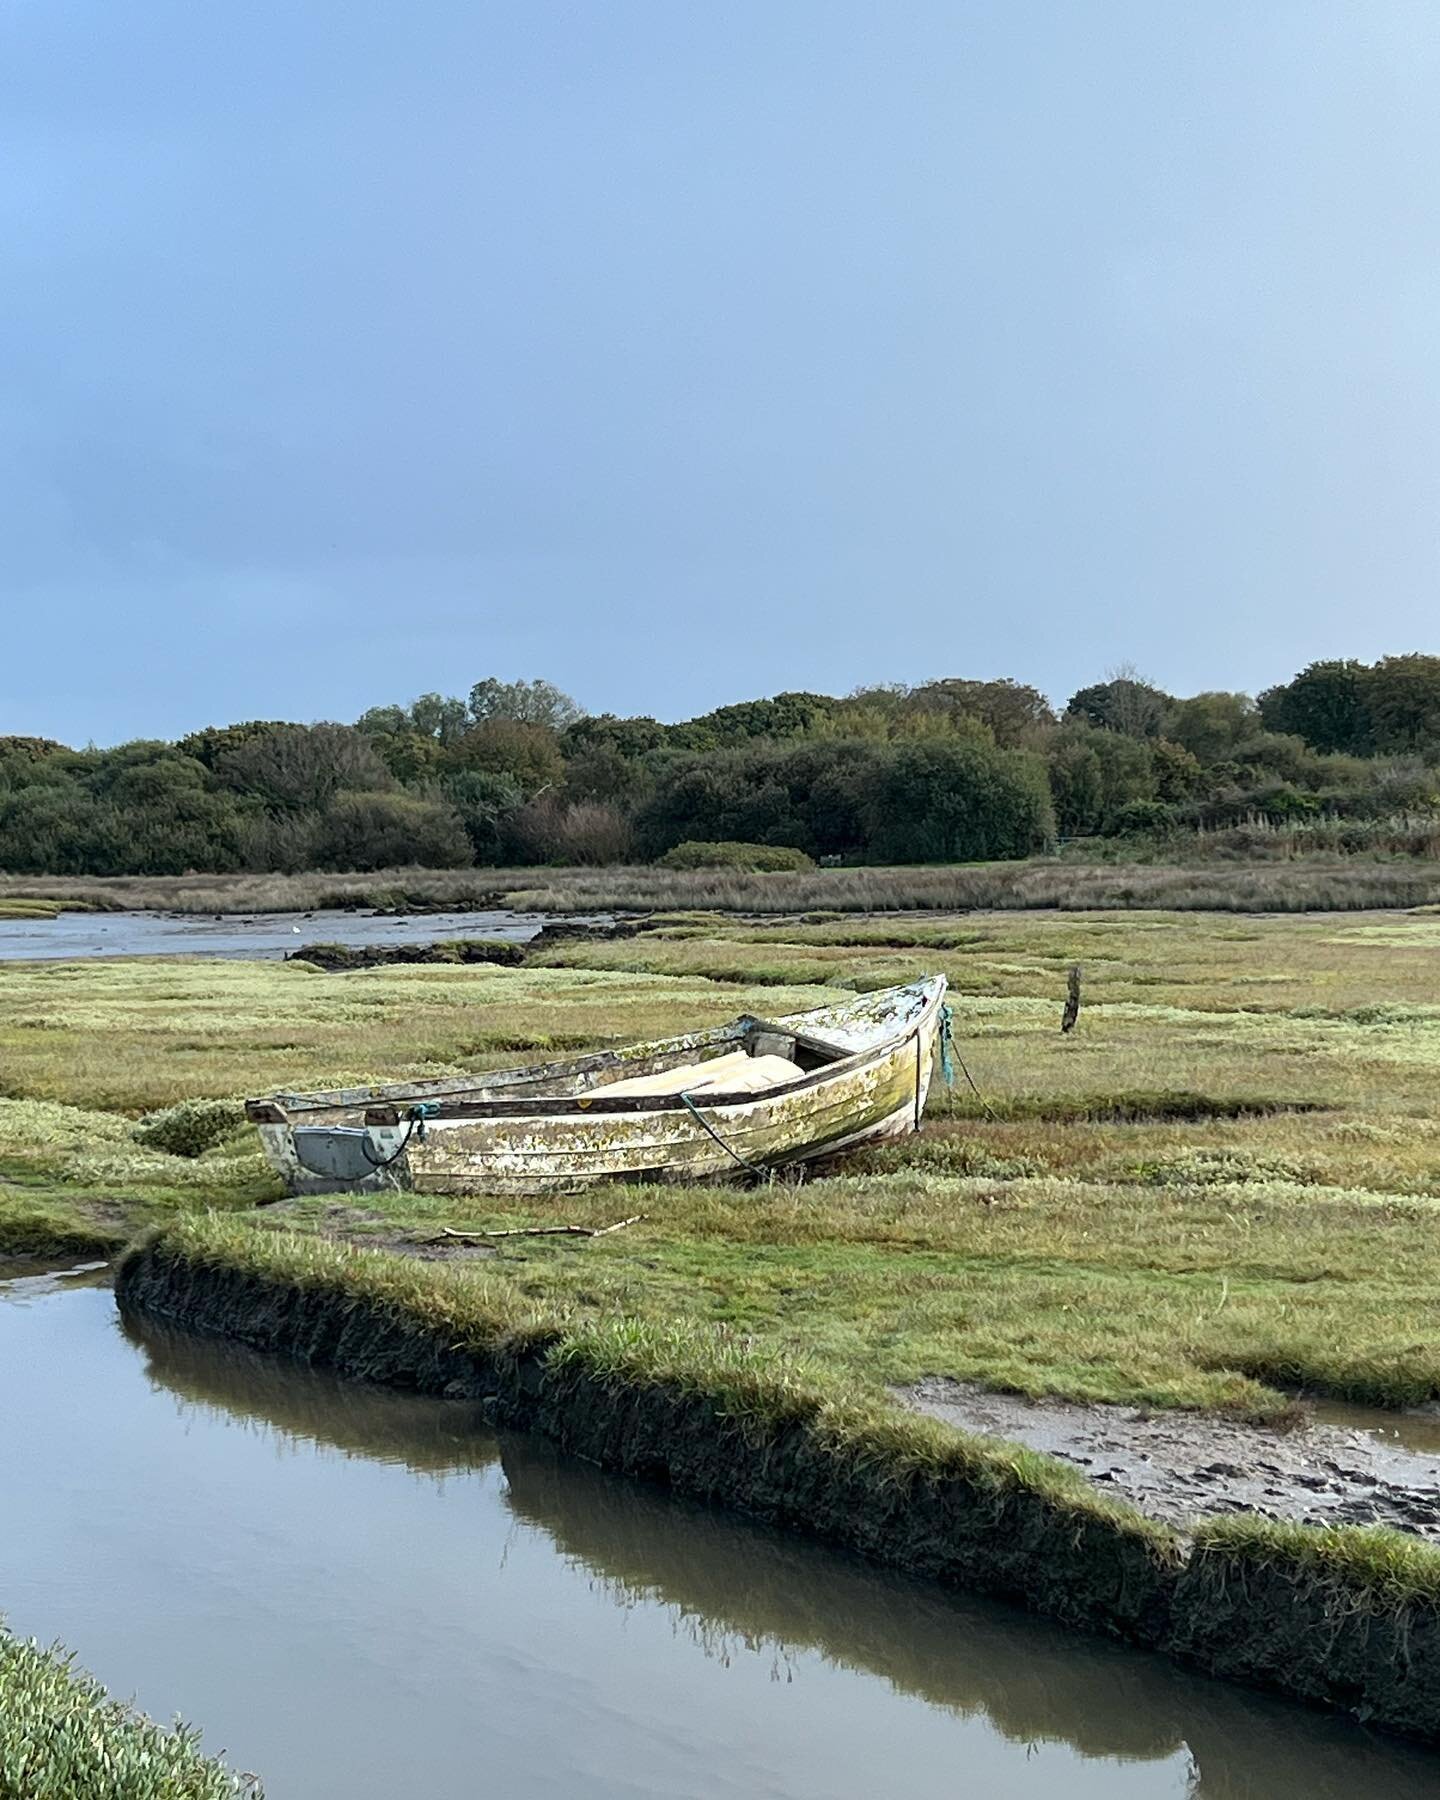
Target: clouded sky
point(682, 353)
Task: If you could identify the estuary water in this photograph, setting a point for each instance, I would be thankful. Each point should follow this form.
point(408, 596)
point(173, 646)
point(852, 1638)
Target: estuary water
point(365, 1594)
point(244, 934)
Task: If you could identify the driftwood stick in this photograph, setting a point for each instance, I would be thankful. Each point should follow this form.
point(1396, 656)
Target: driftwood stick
point(521, 1231)
point(589, 1231)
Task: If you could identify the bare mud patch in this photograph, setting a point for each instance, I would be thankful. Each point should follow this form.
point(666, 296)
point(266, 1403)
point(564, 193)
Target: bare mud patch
point(1182, 1466)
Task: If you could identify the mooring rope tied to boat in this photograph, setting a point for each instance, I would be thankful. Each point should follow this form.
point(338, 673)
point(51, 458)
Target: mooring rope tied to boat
point(418, 1114)
point(729, 1149)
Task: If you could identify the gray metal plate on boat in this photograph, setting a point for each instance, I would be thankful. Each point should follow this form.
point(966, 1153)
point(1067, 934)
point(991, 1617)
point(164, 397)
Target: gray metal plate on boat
point(338, 1152)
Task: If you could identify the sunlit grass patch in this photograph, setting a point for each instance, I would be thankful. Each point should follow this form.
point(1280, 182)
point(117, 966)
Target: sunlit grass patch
point(137, 1036)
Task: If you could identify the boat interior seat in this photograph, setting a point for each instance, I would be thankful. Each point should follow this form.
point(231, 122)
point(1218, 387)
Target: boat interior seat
point(735, 1073)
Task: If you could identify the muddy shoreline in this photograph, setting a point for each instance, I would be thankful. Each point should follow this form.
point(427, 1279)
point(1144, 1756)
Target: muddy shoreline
point(1178, 1467)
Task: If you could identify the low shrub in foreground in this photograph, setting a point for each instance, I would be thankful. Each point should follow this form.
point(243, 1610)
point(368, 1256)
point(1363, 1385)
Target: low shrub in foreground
point(63, 1737)
point(191, 1128)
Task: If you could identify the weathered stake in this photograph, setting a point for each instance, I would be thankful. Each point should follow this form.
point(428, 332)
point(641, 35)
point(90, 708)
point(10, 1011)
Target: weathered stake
point(1072, 1002)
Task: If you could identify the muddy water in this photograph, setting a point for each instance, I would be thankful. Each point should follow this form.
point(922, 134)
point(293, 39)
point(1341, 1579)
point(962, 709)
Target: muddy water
point(361, 1594)
point(247, 935)
point(1416, 1429)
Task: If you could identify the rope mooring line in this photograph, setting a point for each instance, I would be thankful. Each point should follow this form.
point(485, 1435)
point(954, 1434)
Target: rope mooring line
point(729, 1150)
point(948, 1050)
point(416, 1117)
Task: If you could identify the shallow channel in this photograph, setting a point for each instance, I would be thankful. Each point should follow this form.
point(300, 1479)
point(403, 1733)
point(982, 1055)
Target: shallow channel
point(246, 935)
point(364, 1594)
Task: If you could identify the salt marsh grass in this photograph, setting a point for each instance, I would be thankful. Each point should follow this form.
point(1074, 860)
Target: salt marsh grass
point(1223, 1185)
point(63, 1738)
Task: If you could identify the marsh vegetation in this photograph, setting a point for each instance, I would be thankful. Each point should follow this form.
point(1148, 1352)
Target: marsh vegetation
point(62, 1736)
point(1222, 1186)
point(1220, 1189)
point(1339, 762)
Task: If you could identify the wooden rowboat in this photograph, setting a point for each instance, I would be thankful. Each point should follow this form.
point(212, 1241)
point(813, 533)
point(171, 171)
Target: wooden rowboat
point(750, 1096)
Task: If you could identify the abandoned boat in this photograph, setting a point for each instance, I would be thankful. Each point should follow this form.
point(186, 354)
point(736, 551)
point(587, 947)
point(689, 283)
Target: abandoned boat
point(747, 1097)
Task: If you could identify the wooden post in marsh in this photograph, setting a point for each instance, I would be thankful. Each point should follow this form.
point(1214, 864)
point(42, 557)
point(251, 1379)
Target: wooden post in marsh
point(1072, 1000)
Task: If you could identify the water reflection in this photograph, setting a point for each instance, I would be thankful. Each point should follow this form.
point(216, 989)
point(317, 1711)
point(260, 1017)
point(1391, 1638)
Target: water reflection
point(25, 1278)
point(736, 1589)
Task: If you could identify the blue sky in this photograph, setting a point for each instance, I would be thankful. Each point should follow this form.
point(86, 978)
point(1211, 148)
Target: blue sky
point(682, 353)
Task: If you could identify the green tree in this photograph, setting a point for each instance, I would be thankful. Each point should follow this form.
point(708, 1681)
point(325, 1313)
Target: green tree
point(1402, 695)
point(1095, 772)
point(528, 754)
point(1123, 703)
point(299, 767)
point(1211, 725)
point(484, 802)
point(1017, 715)
point(957, 802)
point(629, 738)
point(806, 795)
point(390, 830)
point(787, 715)
point(1326, 704)
point(527, 702)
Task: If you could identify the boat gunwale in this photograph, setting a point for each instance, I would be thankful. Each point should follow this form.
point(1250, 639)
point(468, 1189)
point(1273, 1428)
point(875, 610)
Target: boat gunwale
point(395, 1096)
point(593, 1104)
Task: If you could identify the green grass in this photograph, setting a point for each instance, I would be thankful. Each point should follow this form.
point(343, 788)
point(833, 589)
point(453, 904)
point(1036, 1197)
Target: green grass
point(1387, 1569)
point(63, 1737)
point(46, 1225)
point(481, 1309)
point(1225, 1184)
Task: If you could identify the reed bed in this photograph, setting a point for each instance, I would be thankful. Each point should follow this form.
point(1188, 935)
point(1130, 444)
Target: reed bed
point(1282, 883)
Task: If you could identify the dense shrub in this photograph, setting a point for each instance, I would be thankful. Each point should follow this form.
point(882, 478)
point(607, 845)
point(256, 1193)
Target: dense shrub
point(1144, 818)
point(386, 831)
point(754, 859)
point(941, 802)
point(808, 796)
point(951, 769)
point(191, 1128)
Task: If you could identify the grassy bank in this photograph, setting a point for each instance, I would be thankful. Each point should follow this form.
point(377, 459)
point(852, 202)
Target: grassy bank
point(1202, 883)
point(63, 1737)
point(1345, 1617)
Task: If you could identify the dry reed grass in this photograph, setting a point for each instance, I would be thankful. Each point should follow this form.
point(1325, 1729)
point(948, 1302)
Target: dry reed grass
point(1291, 884)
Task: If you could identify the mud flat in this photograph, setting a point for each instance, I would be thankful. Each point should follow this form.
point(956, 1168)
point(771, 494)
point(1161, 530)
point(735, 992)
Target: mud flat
point(1344, 1616)
point(1181, 1466)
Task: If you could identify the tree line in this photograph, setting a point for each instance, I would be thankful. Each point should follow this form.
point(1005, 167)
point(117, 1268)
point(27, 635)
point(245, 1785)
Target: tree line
point(517, 773)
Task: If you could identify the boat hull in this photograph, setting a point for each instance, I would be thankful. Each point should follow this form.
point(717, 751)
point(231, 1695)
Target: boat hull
point(876, 1089)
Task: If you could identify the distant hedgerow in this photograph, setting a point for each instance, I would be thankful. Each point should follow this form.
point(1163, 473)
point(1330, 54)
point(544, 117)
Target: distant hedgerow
point(750, 859)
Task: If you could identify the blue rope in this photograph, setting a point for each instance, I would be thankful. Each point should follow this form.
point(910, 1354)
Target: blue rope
point(947, 1040)
point(419, 1113)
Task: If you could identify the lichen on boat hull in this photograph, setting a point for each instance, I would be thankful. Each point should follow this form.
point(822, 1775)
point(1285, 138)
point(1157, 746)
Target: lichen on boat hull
point(866, 1074)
